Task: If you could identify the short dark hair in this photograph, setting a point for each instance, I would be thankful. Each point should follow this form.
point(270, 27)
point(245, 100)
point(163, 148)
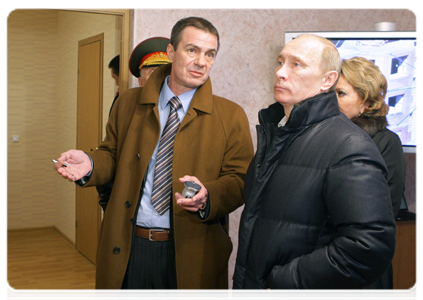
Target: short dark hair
point(196, 22)
point(114, 65)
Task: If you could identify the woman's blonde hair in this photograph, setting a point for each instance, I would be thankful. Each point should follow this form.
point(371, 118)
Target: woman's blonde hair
point(369, 83)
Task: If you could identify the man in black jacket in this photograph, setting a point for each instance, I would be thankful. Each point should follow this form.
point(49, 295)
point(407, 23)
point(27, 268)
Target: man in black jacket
point(317, 207)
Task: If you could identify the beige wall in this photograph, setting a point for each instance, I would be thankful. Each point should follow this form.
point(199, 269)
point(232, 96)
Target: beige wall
point(42, 87)
point(250, 42)
point(252, 39)
point(31, 91)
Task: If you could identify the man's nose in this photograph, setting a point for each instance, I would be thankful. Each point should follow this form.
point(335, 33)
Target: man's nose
point(201, 60)
point(281, 72)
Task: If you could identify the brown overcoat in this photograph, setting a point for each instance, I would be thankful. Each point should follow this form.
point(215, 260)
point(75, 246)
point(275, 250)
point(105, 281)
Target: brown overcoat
point(213, 143)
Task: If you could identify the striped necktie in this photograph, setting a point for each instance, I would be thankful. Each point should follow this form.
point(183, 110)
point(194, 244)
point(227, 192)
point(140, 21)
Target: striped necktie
point(162, 186)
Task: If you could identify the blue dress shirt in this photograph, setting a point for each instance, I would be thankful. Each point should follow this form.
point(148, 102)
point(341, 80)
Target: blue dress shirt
point(147, 215)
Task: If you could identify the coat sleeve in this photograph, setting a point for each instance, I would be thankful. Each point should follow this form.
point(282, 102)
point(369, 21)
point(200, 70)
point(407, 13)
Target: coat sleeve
point(225, 193)
point(390, 147)
point(105, 156)
point(359, 208)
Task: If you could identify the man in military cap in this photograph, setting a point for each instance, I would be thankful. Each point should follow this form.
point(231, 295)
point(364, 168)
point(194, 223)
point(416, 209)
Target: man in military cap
point(148, 56)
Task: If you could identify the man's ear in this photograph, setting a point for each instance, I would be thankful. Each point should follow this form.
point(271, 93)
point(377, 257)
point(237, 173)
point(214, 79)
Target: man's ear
point(170, 50)
point(330, 79)
point(140, 82)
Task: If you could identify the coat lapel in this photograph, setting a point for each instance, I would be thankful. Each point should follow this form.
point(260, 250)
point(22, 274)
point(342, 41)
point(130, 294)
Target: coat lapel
point(202, 103)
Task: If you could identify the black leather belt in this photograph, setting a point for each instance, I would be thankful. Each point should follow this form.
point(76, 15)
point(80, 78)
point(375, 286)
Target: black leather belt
point(153, 235)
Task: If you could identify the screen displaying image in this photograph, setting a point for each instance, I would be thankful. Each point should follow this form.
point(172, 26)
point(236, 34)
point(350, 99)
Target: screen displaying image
point(395, 55)
point(396, 58)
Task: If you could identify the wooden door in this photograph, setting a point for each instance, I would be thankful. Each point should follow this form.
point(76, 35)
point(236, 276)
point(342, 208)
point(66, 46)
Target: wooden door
point(89, 124)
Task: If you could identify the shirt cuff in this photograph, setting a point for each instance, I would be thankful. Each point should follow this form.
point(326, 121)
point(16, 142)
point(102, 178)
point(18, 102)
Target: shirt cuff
point(84, 180)
point(204, 212)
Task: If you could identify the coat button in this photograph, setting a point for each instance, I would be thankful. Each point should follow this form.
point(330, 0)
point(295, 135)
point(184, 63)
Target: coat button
point(116, 250)
point(132, 221)
point(138, 156)
point(127, 204)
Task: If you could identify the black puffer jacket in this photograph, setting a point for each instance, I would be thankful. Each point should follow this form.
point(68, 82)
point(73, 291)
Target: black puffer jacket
point(317, 207)
point(389, 145)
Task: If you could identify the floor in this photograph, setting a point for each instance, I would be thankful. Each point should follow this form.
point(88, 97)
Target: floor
point(43, 259)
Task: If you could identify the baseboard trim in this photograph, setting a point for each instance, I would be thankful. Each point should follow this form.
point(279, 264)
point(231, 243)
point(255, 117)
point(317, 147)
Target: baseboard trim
point(28, 229)
point(46, 228)
point(64, 236)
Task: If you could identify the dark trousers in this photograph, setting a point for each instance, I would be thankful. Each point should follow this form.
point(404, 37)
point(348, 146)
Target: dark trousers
point(151, 265)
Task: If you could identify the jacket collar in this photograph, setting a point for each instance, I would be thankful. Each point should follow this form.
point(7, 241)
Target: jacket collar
point(371, 125)
point(310, 111)
point(202, 100)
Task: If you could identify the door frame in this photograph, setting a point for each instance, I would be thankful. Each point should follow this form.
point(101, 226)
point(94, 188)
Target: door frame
point(127, 24)
point(125, 44)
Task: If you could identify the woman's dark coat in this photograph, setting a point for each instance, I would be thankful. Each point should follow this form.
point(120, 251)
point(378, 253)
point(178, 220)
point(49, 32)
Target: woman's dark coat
point(389, 145)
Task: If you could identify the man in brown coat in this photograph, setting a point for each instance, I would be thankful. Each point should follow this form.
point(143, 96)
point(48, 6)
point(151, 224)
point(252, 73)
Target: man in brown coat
point(145, 59)
point(188, 246)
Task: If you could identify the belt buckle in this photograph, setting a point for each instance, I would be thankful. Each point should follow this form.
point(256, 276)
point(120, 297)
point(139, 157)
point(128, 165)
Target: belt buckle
point(150, 233)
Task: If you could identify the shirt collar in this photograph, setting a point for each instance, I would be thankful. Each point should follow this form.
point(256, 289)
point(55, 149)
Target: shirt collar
point(168, 94)
point(283, 121)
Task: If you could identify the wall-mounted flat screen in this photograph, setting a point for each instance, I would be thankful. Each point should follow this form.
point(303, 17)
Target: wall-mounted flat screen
point(395, 55)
